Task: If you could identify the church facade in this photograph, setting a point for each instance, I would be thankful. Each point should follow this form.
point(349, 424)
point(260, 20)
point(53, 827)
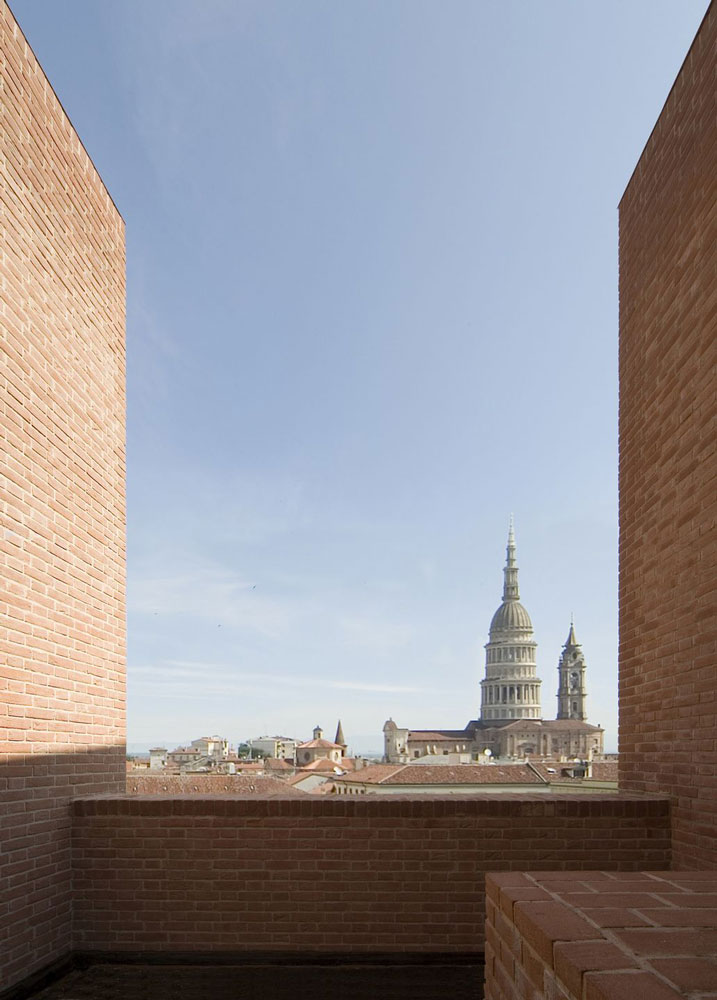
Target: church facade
point(511, 722)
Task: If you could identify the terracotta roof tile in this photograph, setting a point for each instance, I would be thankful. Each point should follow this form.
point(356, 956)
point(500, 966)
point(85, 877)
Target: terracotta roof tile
point(277, 764)
point(208, 784)
point(553, 770)
point(375, 773)
point(574, 724)
point(434, 774)
point(319, 744)
point(466, 774)
point(322, 764)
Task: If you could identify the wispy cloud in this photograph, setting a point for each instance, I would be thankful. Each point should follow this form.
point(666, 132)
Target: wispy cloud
point(387, 688)
point(379, 636)
point(215, 594)
point(154, 354)
point(183, 676)
point(203, 73)
point(182, 28)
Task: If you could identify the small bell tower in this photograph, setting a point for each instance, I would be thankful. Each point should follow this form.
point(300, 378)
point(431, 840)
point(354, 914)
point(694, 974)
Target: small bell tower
point(571, 679)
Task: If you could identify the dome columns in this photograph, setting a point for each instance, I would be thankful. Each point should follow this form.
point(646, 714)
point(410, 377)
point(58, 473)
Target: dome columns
point(511, 688)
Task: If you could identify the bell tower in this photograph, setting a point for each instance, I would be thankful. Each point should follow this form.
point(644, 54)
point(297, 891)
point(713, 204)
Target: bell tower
point(571, 680)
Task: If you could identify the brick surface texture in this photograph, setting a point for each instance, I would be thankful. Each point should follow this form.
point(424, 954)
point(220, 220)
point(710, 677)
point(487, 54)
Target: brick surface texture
point(601, 935)
point(219, 872)
point(84, 866)
point(668, 488)
point(62, 550)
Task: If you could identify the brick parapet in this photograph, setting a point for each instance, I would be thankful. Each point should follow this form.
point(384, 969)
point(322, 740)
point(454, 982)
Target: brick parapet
point(436, 806)
point(349, 875)
point(601, 936)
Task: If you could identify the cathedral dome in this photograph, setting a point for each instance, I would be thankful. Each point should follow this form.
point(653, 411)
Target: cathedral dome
point(511, 615)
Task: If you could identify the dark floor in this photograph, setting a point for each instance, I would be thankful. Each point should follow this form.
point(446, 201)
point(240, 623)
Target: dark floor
point(268, 982)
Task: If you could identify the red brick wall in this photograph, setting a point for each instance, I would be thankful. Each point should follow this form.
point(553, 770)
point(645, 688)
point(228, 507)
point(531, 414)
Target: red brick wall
point(62, 632)
point(218, 872)
point(601, 935)
point(668, 489)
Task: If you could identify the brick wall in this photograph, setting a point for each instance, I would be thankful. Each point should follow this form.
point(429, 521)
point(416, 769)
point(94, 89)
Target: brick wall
point(601, 936)
point(218, 872)
point(62, 632)
point(668, 489)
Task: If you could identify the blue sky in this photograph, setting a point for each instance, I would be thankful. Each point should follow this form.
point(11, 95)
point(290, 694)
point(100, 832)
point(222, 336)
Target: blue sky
point(372, 309)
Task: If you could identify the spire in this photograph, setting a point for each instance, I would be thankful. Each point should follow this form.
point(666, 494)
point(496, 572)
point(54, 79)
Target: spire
point(339, 738)
point(571, 640)
point(510, 573)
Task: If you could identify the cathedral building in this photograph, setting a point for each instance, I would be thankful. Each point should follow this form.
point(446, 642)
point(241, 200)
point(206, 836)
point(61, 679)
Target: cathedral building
point(511, 688)
point(511, 722)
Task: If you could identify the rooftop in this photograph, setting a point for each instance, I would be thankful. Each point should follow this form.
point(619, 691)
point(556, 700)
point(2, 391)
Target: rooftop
point(458, 774)
point(320, 744)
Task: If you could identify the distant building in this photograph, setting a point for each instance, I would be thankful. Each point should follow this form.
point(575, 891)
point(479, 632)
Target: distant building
point(138, 762)
point(511, 723)
point(181, 756)
point(275, 765)
point(279, 747)
point(204, 754)
point(212, 746)
point(511, 688)
point(455, 778)
point(571, 687)
point(314, 775)
point(318, 748)
point(157, 758)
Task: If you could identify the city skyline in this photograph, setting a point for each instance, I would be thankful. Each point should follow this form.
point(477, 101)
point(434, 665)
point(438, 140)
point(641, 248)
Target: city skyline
point(372, 283)
point(368, 746)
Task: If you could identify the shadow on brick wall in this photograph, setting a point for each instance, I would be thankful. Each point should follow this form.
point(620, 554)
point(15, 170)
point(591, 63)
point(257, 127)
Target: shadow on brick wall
point(88, 868)
point(36, 791)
